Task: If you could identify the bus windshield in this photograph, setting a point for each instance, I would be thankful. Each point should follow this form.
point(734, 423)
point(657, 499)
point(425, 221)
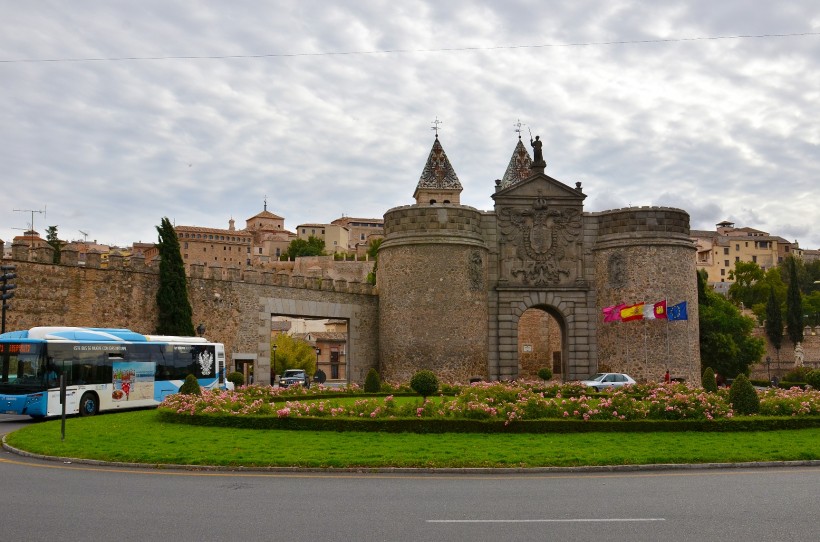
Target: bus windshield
point(23, 367)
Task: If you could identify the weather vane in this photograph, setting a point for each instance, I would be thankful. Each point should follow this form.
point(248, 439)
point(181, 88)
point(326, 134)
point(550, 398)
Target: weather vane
point(435, 125)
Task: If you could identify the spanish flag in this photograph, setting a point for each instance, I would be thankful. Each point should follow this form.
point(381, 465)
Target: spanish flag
point(632, 312)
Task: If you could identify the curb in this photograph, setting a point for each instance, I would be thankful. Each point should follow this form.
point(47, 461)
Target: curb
point(656, 467)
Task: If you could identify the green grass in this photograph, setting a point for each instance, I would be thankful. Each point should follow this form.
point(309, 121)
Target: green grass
point(139, 437)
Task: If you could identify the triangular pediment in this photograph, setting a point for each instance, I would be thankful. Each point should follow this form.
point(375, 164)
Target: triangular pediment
point(540, 185)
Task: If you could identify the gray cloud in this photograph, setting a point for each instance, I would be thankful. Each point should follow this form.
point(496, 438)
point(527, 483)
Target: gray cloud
point(723, 128)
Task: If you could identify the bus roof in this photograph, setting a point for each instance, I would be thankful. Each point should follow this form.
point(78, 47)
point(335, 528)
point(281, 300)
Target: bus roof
point(93, 334)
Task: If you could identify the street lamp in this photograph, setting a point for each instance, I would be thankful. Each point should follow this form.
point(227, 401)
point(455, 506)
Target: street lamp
point(768, 365)
point(200, 329)
point(318, 351)
point(274, 363)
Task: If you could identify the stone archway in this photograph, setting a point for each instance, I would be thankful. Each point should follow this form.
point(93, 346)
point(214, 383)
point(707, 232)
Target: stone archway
point(541, 340)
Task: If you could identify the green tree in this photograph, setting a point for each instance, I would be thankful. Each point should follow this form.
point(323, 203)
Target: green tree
point(774, 322)
point(726, 341)
point(746, 276)
point(794, 304)
point(314, 246)
point(175, 316)
point(293, 353)
point(425, 383)
point(54, 242)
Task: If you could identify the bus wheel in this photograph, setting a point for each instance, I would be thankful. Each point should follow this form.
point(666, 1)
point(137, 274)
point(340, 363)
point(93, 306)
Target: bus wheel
point(88, 404)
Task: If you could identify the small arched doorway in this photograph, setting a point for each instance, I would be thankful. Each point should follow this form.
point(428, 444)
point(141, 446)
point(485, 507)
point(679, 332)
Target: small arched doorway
point(541, 341)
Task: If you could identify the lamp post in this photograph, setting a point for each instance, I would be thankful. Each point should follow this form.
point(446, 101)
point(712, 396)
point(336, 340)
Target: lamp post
point(274, 363)
point(768, 365)
point(318, 351)
point(200, 329)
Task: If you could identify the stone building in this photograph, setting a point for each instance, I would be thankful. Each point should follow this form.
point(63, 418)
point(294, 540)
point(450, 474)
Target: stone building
point(455, 283)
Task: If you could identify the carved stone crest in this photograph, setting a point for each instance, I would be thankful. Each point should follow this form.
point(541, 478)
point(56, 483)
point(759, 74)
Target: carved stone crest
point(544, 239)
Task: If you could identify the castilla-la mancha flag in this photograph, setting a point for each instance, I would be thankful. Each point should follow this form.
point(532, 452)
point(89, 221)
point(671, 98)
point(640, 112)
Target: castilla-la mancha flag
point(654, 311)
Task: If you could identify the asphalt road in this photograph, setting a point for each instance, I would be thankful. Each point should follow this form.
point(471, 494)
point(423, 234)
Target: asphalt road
point(46, 500)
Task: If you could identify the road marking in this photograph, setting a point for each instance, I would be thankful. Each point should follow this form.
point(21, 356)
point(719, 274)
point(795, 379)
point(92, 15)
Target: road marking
point(570, 520)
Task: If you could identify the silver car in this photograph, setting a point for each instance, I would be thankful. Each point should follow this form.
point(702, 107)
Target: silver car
point(602, 381)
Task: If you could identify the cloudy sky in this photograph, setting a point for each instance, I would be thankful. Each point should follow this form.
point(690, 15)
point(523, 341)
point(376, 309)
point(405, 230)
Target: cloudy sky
point(114, 113)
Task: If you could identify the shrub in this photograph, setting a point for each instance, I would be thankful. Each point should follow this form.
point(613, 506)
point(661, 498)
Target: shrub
point(743, 396)
point(190, 386)
point(372, 382)
point(236, 377)
point(797, 375)
point(813, 379)
point(708, 380)
point(544, 373)
point(425, 383)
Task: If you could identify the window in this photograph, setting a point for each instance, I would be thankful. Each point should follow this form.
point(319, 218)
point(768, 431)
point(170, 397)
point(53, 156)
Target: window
point(726, 263)
point(737, 247)
point(722, 272)
point(361, 237)
point(726, 250)
point(278, 252)
point(185, 244)
point(737, 259)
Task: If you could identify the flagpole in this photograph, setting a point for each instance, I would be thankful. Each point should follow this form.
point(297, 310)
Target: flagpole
point(666, 304)
point(645, 347)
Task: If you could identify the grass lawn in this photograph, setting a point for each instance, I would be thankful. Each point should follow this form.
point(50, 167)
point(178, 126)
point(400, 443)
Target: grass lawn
point(139, 437)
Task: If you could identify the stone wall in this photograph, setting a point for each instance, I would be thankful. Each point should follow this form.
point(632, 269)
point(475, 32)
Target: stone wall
point(644, 254)
point(236, 310)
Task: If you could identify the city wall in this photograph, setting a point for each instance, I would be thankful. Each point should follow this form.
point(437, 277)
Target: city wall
point(235, 305)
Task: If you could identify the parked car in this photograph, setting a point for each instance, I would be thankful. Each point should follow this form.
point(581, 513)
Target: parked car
point(294, 376)
point(602, 381)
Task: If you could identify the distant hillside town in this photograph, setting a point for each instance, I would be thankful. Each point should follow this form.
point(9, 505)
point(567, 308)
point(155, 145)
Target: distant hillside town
point(265, 239)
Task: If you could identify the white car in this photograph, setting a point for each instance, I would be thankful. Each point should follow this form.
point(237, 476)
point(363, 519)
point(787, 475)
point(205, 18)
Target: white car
point(601, 381)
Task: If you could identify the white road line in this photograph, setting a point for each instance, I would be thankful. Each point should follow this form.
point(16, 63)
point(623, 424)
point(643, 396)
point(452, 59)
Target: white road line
point(571, 520)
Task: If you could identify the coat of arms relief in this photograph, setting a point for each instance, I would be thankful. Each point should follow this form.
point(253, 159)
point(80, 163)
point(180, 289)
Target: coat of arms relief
point(542, 244)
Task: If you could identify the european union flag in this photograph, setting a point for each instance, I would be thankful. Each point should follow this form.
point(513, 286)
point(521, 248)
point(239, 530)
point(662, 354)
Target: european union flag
point(677, 312)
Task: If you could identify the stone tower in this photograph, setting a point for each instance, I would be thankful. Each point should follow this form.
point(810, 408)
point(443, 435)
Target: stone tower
point(432, 282)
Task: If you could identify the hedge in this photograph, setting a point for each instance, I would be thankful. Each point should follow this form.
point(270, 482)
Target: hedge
point(427, 425)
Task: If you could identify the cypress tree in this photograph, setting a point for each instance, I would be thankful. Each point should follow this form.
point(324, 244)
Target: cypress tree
point(774, 321)
point(794, 305)
point(175, 315)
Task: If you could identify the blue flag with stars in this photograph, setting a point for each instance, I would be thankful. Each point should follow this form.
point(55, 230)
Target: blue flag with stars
point(677, 312)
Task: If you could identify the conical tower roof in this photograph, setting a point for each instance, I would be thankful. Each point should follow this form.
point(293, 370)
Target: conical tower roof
point(438, 173)
point(519, 166)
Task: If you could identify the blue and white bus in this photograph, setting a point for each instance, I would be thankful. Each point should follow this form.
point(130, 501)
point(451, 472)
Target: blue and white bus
point(104, 369)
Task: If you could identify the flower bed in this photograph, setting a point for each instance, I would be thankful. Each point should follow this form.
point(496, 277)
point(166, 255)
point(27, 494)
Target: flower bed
point(505, 402)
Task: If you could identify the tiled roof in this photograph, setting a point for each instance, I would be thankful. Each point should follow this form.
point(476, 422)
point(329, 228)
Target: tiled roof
point(519, 166)
point(438, 172)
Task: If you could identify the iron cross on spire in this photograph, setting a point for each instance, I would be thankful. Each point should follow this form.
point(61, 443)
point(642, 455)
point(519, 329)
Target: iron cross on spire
point(518, 126)
point(435, 125)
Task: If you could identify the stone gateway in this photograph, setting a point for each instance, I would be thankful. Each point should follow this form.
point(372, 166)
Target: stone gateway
point(454, 282)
